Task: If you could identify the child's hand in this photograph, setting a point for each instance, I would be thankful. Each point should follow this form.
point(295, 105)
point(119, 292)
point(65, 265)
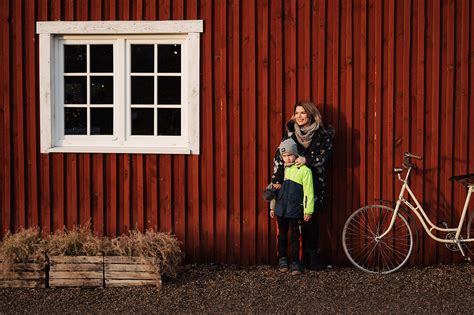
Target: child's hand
point(276, 186)
point(272, 214)
point(307, 217)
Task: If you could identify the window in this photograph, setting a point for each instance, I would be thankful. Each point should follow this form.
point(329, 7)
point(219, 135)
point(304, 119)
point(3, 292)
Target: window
point(128, 86)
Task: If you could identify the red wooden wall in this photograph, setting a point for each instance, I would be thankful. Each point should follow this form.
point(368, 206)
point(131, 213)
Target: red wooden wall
point(391, 76)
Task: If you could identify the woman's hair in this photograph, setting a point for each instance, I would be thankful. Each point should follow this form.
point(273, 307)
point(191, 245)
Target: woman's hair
point(311, 110)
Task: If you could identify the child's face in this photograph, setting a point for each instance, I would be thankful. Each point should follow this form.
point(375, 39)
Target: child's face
point(288, 158)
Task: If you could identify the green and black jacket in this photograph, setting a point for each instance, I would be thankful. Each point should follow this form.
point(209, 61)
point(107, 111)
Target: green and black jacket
point(296, 195)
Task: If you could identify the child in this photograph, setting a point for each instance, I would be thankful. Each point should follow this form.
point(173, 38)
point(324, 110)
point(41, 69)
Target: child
point(294, 202)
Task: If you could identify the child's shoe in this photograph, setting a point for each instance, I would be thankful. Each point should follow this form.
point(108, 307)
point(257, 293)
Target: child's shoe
point(283, 264)
point(296, 268)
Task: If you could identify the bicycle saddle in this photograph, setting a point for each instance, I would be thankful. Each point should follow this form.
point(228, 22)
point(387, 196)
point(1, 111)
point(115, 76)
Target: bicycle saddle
point(466, 180)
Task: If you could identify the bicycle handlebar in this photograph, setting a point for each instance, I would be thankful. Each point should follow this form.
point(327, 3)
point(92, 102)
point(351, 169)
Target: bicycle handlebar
point(411, 155)
point(406, 160)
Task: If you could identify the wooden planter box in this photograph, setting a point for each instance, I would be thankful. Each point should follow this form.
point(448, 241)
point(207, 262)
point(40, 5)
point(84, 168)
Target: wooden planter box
point(23, 275)
point(76, 271)
point(100, 271)
point(129, 271)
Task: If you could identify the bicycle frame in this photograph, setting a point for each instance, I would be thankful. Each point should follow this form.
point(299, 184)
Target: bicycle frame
point(423, 218)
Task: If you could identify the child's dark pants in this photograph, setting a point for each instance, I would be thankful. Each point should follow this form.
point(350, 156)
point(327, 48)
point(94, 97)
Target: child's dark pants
point(293, 225)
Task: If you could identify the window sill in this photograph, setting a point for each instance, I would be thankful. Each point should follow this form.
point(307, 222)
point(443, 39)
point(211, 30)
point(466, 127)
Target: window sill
point(139, 150)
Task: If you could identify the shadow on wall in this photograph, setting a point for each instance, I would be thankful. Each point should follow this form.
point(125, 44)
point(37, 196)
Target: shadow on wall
point(344, 177)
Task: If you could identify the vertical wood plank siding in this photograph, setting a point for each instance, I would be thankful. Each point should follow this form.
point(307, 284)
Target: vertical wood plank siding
point(391, 76)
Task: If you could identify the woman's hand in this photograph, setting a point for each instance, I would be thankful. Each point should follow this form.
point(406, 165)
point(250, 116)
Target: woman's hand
point(276, 186)
point(306, 217)
point(301, 160)
point(272, 214)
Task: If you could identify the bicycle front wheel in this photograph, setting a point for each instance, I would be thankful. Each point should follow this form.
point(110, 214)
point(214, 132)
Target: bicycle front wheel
point(368, 252)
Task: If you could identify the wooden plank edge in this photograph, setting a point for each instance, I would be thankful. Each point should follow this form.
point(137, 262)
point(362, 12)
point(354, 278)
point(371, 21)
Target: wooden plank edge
point(110, 283)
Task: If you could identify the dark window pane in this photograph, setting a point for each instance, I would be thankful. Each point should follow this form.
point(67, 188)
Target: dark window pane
point(142, 58)
point(169, 90)
point(102, 90)
point(169, 122)
point(75, 90)
point(142, 121)
point(75, 121)
point(169, 58)
point(142, 90)
point(75, 58)
point(102, 121)
point(102, 58)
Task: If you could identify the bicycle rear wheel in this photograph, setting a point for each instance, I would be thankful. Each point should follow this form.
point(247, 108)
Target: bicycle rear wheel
point(370, 254)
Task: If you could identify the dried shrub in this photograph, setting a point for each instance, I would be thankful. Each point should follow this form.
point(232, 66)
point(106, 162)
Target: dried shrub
point(80, 241)
point(159, 249)
point(26, 245)
point(164, 248)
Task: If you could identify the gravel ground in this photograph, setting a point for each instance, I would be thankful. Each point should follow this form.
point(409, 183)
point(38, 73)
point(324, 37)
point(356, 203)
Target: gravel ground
point(215, 289)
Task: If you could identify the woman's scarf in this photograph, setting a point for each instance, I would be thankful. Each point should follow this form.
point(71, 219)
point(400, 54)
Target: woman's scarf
point(305, 134)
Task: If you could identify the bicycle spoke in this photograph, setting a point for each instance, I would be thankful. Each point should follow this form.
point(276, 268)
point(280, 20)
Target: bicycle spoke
point(359, 252)
point(380, 257)
point(356, 229)
point(381, 223)
point(374, 219)
point(357, 232)
point(399, 226)
point(392, 249)
point(384, 259)
point(369, 254)
point(386, 256)
point(364, 251)
point(400, 242)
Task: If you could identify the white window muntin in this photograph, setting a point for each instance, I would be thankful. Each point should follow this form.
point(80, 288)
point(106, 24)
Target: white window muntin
point(67, 140)
point(183, 139)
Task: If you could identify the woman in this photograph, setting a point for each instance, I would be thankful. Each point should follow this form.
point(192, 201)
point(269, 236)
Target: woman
point(315, 142)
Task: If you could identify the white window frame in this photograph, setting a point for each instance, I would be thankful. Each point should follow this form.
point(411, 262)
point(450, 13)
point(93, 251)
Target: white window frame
point(186, 32)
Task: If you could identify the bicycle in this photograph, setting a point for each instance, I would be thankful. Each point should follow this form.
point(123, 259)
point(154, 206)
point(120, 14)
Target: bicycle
point(379, 239)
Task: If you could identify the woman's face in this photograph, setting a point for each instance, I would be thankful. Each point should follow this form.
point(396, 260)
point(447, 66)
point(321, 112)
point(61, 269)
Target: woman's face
point(301, 118)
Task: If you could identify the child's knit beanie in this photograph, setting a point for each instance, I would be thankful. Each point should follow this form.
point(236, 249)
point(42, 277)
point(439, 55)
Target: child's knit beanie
point(288, 146)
